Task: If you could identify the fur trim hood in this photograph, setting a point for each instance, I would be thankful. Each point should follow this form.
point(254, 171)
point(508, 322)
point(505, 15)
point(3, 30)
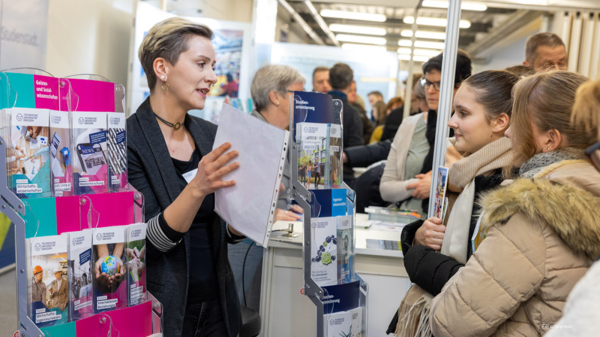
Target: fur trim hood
point(566, 197)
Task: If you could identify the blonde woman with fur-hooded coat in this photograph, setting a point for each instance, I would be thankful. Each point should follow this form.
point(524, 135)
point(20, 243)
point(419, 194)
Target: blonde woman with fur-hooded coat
point(540, 233)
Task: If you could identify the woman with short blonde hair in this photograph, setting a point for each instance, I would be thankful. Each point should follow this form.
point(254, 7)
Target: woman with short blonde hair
point(172, 162)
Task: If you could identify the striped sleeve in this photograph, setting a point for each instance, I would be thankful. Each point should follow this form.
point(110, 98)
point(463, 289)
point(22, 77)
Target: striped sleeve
point(232, 238)
point(158, 237)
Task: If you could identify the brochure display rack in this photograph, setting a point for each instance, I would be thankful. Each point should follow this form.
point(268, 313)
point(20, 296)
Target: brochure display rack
point(64, 187)
point(330, 280)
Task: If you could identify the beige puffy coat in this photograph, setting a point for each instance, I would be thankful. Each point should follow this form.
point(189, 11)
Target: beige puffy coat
point(543, 236)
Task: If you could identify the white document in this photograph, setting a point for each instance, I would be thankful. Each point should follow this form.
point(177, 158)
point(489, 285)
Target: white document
point(250, 205)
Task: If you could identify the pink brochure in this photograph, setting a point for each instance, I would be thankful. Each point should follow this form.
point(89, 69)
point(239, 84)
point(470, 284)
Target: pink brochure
point(86, 95)
point(133, 321)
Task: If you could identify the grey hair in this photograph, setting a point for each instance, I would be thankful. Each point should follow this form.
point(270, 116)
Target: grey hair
point(272, 77)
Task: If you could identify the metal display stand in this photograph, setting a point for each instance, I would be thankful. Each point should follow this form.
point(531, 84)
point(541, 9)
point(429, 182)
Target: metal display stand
point(14, 208)
point(306, 199)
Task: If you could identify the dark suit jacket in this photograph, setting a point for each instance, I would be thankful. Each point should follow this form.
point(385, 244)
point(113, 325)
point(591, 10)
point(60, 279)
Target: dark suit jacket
point(151, 171)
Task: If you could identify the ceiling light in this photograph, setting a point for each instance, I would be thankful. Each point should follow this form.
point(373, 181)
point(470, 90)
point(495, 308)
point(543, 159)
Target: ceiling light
point(330, 13)
point(422, 44)
point(438, 22)
point(415, 58)
point(420, 52)
point(363, 47)
point(361, 39)
point(357, 29)
point(424, 34)
point(467, 6)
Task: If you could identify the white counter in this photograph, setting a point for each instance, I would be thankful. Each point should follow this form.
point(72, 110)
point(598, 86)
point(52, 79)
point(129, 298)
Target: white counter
point(286, 312)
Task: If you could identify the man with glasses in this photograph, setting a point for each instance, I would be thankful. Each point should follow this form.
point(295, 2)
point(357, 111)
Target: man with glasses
point(545, 51)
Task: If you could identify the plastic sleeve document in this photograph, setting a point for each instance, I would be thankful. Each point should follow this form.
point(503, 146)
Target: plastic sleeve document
point(250, 205)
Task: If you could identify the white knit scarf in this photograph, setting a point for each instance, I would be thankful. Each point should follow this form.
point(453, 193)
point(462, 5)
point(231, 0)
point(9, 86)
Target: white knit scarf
point(461, 174)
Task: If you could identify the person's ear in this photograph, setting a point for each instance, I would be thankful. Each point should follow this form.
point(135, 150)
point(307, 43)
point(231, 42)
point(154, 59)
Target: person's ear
point(553, 140)
point(161, 69)
point(525, 63)
point(500, 123)
point(274, 98)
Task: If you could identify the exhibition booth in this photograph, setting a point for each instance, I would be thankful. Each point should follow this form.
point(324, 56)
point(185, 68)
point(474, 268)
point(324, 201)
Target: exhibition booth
point(72, 224)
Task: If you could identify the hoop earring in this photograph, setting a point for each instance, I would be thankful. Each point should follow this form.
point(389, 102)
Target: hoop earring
point(164, 86)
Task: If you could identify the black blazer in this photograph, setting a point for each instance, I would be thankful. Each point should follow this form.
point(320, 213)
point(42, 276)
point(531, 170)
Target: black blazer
point(151, 171)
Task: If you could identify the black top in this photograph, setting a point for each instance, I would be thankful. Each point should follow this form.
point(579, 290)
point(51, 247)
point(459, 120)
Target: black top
point(203, 277)
point(153, 174)
point(392, 124)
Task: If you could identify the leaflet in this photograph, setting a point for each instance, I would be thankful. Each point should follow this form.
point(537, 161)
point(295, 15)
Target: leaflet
point(136, 262)
point(324, 253)
point(345, 238)
point(90, 168)
point(110, 285)
point(49, 285)
point(80, 268)
point(117, 151)
point(319, 155)
point(29, 137)
point(60, 153)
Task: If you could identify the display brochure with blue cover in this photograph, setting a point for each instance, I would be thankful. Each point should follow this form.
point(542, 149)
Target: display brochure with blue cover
point(48, 285)
point(341, 297)
point(80, 272)
point(318, 134)
point(328, 203)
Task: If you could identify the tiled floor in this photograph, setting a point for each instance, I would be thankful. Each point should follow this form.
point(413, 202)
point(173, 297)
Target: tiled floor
point(8, 303)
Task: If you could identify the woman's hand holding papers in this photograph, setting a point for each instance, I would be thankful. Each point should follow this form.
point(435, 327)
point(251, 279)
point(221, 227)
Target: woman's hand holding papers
point(212, 168)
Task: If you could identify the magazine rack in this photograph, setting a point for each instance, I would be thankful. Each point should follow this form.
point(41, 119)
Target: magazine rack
point(56, 215)
point(347, 295)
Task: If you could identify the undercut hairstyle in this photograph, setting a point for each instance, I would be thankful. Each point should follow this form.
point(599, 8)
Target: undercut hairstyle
point(463, 66)
point(319, 69)
point(521, 70)
point(272, 77)
point(168, 39)
point(493, 90)
point(540, 39)
point(340, 76)
point(546, 100)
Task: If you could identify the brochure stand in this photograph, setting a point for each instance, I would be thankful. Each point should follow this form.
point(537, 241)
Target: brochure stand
point(44, 216)
point(330, 280)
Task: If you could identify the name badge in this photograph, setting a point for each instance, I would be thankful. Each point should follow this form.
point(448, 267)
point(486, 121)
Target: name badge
point(188, 176)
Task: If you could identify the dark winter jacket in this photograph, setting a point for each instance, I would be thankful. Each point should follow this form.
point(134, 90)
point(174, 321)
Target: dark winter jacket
point(429, 269)
point(363, 156)
point(392, 123)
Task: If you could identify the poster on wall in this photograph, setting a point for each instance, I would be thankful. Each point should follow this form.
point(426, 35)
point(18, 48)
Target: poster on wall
point(231, 41)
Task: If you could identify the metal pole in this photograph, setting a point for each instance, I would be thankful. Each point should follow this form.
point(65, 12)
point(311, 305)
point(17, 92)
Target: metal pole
point(411, 66)
point(446, 95)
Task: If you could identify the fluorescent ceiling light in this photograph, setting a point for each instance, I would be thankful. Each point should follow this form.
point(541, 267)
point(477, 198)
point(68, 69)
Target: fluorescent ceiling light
point(438, 22)
point(363, 47)
point(330, 13)
point(467, 6)
point(424, 34)
point(420, 52)
point(415, 58)
point(361, 39)
point(357, 29)
point(422, 44)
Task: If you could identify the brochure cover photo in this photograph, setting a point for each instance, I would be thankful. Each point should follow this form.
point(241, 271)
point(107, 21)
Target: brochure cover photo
point(90, 168)
point(345, 239)
point(29, 137)
point(324, 253)
point(110, 284)
point(49, 288)
point(319, 155)
point(80, 274)
point(136, 262)
point(117, 151)
point(60, 153)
